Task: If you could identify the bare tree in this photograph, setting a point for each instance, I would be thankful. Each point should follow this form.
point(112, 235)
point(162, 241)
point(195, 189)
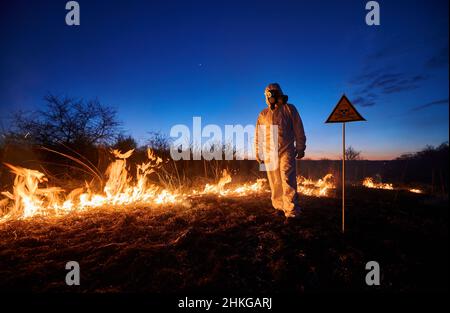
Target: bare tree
point(159, 142)
point(68, 121)
point(351, 154)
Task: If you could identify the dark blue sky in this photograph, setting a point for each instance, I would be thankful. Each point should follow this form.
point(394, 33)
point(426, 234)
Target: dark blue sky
point(162, 62)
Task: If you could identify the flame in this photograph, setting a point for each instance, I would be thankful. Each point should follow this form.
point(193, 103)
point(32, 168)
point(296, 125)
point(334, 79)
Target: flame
point(317, 188)
point(369, 182)
point(30, 197)
point(242, 190)
point(27, 195)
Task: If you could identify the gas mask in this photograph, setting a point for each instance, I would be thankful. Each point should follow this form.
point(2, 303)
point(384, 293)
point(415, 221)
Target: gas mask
point(273, 97)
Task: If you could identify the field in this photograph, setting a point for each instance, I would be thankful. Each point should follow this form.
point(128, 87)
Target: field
point(211, 244)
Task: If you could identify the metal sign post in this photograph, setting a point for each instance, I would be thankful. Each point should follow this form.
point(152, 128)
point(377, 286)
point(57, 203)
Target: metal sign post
point(343, 177)
point(344, 112)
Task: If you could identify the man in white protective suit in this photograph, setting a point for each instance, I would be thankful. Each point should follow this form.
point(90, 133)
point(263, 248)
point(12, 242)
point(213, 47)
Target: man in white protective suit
point(279, 141)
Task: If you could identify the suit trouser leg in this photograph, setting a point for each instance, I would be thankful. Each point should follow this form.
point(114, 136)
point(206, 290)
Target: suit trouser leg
point(276, 188)
point(288, 177)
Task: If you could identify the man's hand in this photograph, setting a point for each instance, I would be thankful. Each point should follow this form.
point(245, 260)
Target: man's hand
point(299, 155)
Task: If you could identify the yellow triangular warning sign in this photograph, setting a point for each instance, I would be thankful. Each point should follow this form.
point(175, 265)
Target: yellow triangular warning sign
point(344, 112)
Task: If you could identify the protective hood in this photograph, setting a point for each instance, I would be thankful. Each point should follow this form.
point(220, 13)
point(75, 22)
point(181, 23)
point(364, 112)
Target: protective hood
point(274, 95)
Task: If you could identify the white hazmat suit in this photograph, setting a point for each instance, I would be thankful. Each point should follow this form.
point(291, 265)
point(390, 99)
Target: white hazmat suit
point(283, 150)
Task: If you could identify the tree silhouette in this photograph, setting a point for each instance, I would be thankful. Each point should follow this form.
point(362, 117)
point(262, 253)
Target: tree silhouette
point(351, 154)
point(68, 121)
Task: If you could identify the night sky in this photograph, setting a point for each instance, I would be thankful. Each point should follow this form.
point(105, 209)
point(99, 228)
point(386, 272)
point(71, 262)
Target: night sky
point(162, 62)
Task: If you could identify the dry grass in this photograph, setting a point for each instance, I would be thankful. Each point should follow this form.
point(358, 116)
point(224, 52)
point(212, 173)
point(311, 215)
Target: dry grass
point(213, 244)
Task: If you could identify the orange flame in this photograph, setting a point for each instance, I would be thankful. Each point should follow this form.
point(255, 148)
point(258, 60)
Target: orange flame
point(370, 182)
point(242, 190)
point(317, 188)
point(29, 198)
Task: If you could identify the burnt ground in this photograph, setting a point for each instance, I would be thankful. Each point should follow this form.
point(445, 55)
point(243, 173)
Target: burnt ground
point(239, 245)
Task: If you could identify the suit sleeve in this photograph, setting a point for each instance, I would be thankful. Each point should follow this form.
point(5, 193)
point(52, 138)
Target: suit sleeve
point(299, 132)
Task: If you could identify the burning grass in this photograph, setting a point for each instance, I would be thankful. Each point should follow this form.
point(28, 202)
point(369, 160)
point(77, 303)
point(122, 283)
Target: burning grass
point(30, 198)
point(370, 182)
point(133, 235)
point(217, 244)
